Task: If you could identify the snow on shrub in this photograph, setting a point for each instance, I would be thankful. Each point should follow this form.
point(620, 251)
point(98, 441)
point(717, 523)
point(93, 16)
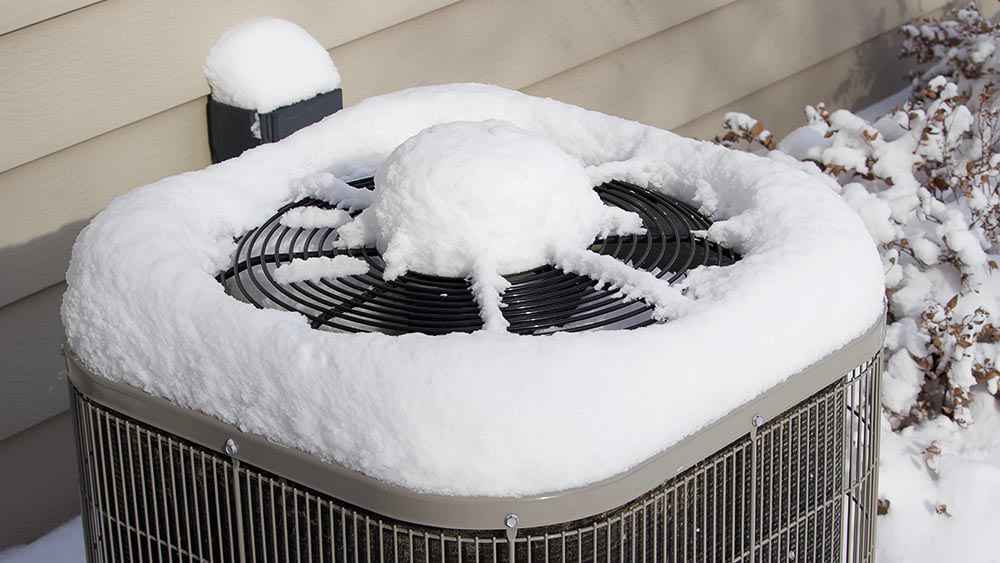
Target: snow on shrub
point(925, 179)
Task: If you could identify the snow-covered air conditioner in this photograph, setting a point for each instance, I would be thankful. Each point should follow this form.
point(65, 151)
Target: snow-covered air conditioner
point(460, 323)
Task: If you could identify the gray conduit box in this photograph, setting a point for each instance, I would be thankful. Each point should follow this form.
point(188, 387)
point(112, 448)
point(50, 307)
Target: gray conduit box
point(233, 130)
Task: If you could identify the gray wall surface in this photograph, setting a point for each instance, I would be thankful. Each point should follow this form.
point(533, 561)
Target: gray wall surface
point(100, 96)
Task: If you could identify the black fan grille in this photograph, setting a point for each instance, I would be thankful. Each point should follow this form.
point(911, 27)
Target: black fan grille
point(539, 301)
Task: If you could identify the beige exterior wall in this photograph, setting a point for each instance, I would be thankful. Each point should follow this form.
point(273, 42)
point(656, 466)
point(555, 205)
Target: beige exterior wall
point(97, 97)
point(38, 488)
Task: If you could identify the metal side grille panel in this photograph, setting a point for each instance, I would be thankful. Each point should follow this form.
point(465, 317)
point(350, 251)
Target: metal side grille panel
point(802, 487)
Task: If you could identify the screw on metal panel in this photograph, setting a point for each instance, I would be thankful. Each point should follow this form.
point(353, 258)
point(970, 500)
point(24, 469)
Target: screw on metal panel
point(510, 522)
point(231, 448)
point(757, 421)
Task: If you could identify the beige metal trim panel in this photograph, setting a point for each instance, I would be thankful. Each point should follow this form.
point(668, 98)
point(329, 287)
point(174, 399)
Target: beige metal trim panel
point(79, 75)
point(15, 14)
point(724, 55)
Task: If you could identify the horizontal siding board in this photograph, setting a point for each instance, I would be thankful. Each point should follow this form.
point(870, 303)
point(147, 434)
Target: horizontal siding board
point(512, 44)
point(15, 14)
point(76, 76)
point(67, 82)
point(853, 79)
point(724, 55)
point(44, 204)
point(33, 382)
point(39, 487)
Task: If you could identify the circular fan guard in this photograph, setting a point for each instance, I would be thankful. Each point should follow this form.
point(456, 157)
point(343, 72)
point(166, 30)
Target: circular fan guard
point(539, 301)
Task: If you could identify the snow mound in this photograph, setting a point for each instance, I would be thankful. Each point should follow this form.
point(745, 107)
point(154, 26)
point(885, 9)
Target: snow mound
point(460, 194)
point(487, 413)
point(266, 63)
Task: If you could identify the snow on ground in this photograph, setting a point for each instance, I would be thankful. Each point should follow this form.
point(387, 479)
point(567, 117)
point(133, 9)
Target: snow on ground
point(266, 63)
point(422, 411)
point(943, 483)
point(62, 545)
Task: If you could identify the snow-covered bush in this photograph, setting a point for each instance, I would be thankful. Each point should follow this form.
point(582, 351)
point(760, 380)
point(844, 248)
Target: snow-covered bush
point(925, 178)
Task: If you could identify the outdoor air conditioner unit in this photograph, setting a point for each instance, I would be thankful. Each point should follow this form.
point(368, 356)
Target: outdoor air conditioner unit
point(790, 475)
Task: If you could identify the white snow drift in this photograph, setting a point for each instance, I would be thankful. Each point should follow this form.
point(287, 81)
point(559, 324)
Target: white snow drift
point(486, 413)
point(266, 63)
point(460, 194)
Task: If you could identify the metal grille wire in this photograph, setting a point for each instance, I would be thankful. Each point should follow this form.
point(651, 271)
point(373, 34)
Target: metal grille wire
point(801, 487)
point(541, 300)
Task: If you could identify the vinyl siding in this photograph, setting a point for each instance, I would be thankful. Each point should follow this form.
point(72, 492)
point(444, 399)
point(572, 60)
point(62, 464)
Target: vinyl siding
point(82, 74)
point(692, 69)
point(15, 14)
point(39, 486)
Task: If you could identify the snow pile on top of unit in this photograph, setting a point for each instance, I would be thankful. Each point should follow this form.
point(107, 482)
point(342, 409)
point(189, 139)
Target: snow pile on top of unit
point(266, 63)
point(487, 413)
point(461, 196)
